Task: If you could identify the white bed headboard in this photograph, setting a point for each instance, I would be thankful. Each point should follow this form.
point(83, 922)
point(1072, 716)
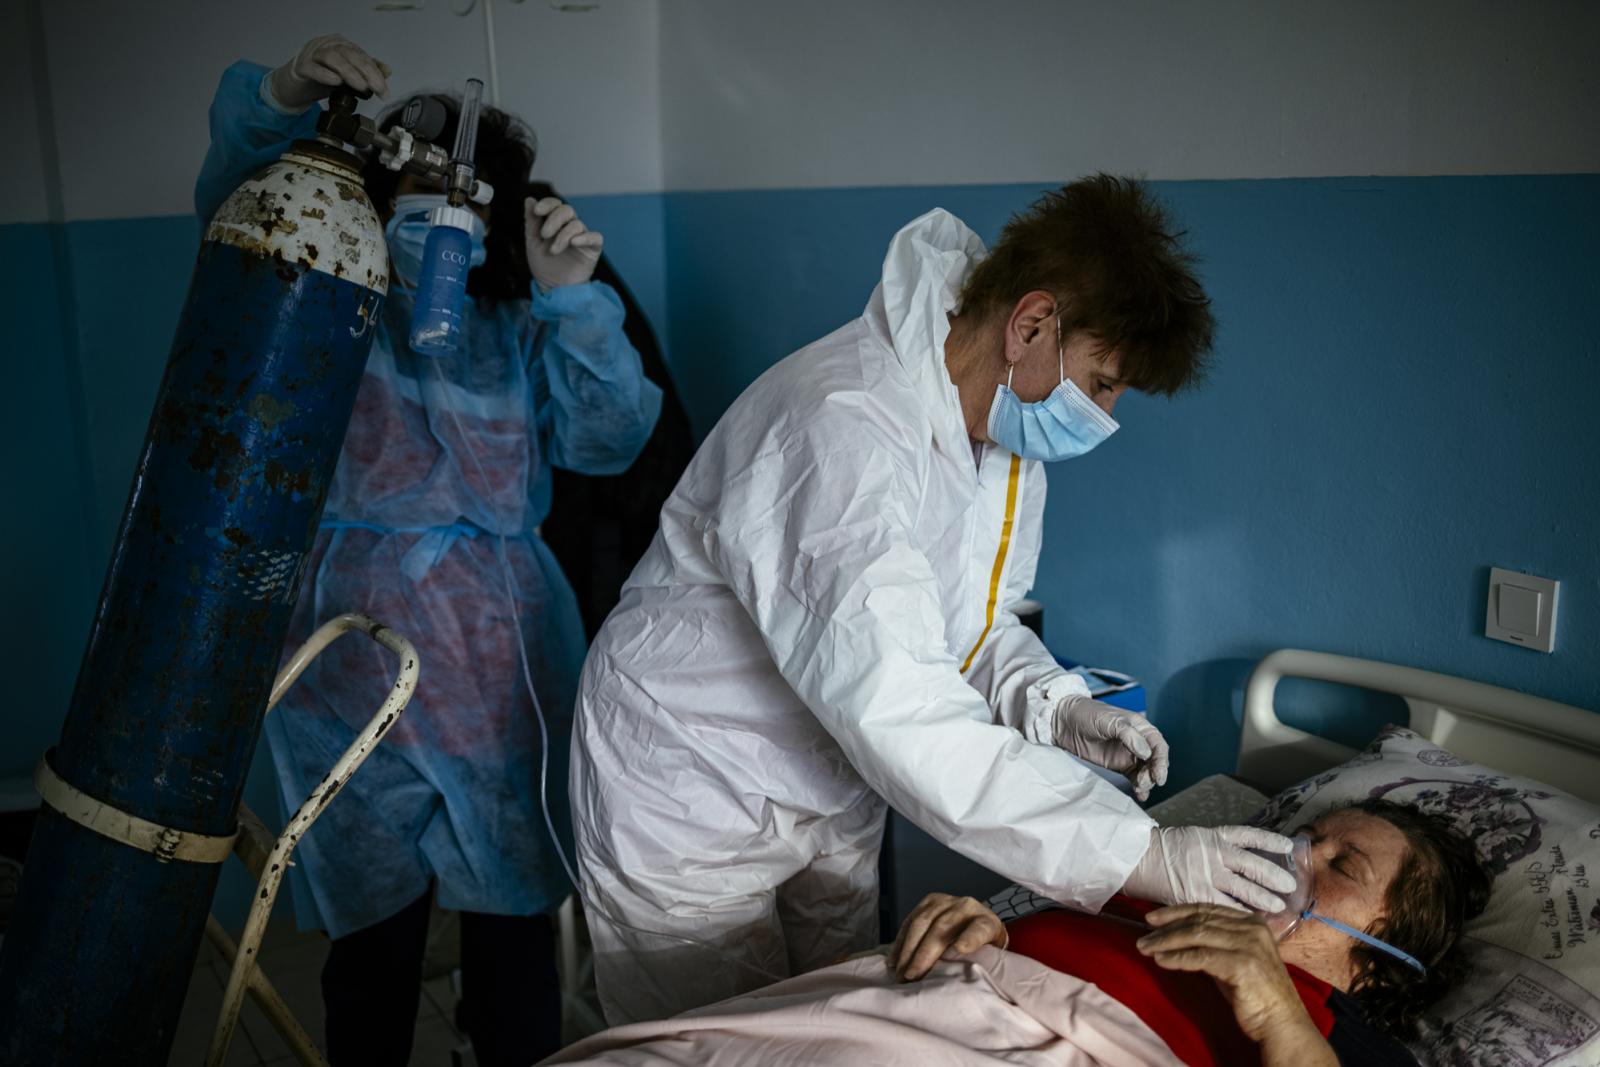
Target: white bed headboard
point(1554, 743)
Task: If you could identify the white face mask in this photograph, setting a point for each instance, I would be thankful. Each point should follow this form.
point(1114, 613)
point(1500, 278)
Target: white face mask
point(1062, 425)
point(407, 232)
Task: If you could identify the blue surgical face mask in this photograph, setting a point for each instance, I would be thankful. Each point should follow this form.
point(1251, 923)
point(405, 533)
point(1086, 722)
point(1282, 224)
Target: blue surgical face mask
point(1062, 425)
point(408, 232)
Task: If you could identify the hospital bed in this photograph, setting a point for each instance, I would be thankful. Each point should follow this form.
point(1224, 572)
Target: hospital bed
point(1513, 732)
point(1523, 773)
point(1503, 762)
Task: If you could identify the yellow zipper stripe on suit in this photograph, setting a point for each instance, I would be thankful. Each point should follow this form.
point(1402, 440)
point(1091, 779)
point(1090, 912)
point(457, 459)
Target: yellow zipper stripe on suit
point(999, 559)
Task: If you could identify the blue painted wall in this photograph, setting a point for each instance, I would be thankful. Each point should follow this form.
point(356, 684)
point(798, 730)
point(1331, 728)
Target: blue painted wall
point(1403, 396)
point(45, 582)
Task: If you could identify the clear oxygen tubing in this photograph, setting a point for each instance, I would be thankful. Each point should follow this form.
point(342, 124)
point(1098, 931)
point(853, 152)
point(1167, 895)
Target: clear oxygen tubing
point(1367, 939)
point(494, 64)
point(544, 732)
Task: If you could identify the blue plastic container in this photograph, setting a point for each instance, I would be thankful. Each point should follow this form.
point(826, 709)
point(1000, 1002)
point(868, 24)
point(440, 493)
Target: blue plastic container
point(1111, 687)
point(442, 287)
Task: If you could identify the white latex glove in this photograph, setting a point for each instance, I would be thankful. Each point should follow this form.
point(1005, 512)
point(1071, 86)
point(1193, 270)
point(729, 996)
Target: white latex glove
point(322, 65)
point(1209, 865)
point(561, 249)
point(1118, 740)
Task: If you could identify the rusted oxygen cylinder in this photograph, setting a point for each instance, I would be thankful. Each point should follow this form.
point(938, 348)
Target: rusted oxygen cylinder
point(142, 791)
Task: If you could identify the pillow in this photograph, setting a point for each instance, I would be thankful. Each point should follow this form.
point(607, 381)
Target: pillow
point(1531, 999)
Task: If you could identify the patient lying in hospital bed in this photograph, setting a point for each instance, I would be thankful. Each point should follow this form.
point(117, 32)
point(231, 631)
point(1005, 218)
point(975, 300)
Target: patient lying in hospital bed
point(1135, 985)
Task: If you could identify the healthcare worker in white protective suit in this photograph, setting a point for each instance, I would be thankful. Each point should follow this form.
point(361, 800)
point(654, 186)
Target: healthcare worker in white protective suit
point(822, 622)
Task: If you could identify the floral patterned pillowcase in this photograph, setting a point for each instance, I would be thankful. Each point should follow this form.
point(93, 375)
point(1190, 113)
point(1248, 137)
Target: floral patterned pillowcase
point(1534, 994)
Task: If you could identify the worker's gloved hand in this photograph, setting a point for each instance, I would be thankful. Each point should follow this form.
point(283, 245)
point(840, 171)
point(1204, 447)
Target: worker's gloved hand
point(1210, 865)
point(561, 249)
point(1117, 740)
point(323, 64)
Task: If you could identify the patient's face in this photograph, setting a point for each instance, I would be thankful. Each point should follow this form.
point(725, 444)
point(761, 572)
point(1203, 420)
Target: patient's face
point(1356, 857)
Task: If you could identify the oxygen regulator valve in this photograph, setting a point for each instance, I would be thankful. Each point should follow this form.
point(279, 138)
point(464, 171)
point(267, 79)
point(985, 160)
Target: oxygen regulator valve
point(406, 145)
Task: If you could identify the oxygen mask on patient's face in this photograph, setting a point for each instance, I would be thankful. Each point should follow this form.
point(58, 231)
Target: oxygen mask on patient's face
point(1297, 861)
point(1301, 904)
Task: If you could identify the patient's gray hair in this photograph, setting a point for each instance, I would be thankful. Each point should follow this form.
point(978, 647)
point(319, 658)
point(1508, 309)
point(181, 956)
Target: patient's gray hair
point(1440, 885)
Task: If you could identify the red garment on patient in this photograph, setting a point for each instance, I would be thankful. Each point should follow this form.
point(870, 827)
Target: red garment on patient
point(1186, 1008)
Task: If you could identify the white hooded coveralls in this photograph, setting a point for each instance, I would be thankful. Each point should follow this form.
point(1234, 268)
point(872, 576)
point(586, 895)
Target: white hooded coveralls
point(821, 624)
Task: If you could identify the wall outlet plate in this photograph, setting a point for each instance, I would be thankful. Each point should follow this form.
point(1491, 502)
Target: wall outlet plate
point(1522, 609)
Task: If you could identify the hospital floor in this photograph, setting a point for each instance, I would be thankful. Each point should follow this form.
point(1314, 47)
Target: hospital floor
point(293, 962)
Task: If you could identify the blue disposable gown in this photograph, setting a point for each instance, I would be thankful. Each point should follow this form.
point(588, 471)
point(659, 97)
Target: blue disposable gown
point(409, 536)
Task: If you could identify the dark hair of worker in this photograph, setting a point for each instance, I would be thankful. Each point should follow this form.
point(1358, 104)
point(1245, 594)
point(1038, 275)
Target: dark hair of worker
point(1115, 264)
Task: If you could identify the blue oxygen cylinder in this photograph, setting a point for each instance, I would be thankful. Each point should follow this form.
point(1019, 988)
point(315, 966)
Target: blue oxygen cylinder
point(442, 281)
point(186, 639)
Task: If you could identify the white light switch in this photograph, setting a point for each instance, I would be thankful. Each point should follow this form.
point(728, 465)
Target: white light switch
point(1519, 609)
point(1522, 609)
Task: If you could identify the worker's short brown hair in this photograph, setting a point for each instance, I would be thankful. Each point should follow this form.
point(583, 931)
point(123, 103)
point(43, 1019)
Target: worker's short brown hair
point(1107, 252)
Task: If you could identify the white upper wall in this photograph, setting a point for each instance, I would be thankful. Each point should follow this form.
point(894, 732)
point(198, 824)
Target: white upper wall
point(131, 84)
point(641, 95)
point(919, 92)
point(23, 184)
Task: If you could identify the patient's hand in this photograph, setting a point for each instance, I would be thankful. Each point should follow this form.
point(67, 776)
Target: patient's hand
point(1237, 950)
point(941, 922)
